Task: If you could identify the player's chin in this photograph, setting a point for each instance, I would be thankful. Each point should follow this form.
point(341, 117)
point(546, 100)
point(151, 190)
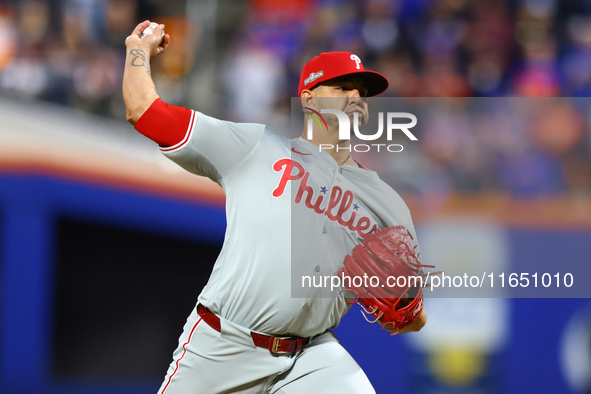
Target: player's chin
point(358, 128)
point(361, 121)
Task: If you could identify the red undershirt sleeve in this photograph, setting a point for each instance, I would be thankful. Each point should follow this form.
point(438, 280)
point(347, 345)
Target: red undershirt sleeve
point(164, 124)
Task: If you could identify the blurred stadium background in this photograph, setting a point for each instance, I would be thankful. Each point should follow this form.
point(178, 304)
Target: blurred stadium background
point(105, 245)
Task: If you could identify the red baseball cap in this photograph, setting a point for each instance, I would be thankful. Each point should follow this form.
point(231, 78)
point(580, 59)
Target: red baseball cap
point(329, 65)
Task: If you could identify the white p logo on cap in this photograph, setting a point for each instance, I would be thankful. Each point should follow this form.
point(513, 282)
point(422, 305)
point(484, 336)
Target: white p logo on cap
point(357, 61)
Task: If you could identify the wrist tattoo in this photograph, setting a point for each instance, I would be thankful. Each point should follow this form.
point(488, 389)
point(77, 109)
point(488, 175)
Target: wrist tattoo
point(139, 59)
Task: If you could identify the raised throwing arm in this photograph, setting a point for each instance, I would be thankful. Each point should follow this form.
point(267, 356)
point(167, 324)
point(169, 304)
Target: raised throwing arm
point(139, 91)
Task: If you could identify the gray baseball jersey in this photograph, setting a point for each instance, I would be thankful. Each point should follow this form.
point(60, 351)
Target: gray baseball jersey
point(292, 214)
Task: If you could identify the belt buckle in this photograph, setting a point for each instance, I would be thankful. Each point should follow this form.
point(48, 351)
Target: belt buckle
point(275, 345)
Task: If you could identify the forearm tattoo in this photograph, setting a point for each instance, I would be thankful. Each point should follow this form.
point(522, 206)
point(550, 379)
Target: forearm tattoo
point(139, 59)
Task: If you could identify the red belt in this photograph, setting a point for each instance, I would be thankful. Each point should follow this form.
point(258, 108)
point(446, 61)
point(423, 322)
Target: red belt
point(277, 345)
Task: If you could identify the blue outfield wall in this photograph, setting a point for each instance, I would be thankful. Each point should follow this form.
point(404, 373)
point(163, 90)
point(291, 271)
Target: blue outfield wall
point(531, 359)
point(29, 209)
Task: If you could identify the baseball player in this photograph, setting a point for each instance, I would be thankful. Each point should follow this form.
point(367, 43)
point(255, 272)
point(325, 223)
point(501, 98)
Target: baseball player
point(292, 211)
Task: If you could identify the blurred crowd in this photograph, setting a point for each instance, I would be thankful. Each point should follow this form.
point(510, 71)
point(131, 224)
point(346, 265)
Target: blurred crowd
point(69, 52)
point(72, 52)
point(523, 146)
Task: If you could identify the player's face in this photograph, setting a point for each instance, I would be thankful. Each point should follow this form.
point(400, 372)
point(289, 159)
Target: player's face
point(347, 94)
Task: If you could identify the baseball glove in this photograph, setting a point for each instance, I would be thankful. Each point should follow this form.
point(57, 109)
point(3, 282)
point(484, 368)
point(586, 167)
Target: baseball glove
point(385, 275)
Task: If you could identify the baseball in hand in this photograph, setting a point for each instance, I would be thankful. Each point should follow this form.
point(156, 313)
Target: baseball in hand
point(150, 29)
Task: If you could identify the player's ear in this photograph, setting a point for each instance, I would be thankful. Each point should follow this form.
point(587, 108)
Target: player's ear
point(307, 98)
